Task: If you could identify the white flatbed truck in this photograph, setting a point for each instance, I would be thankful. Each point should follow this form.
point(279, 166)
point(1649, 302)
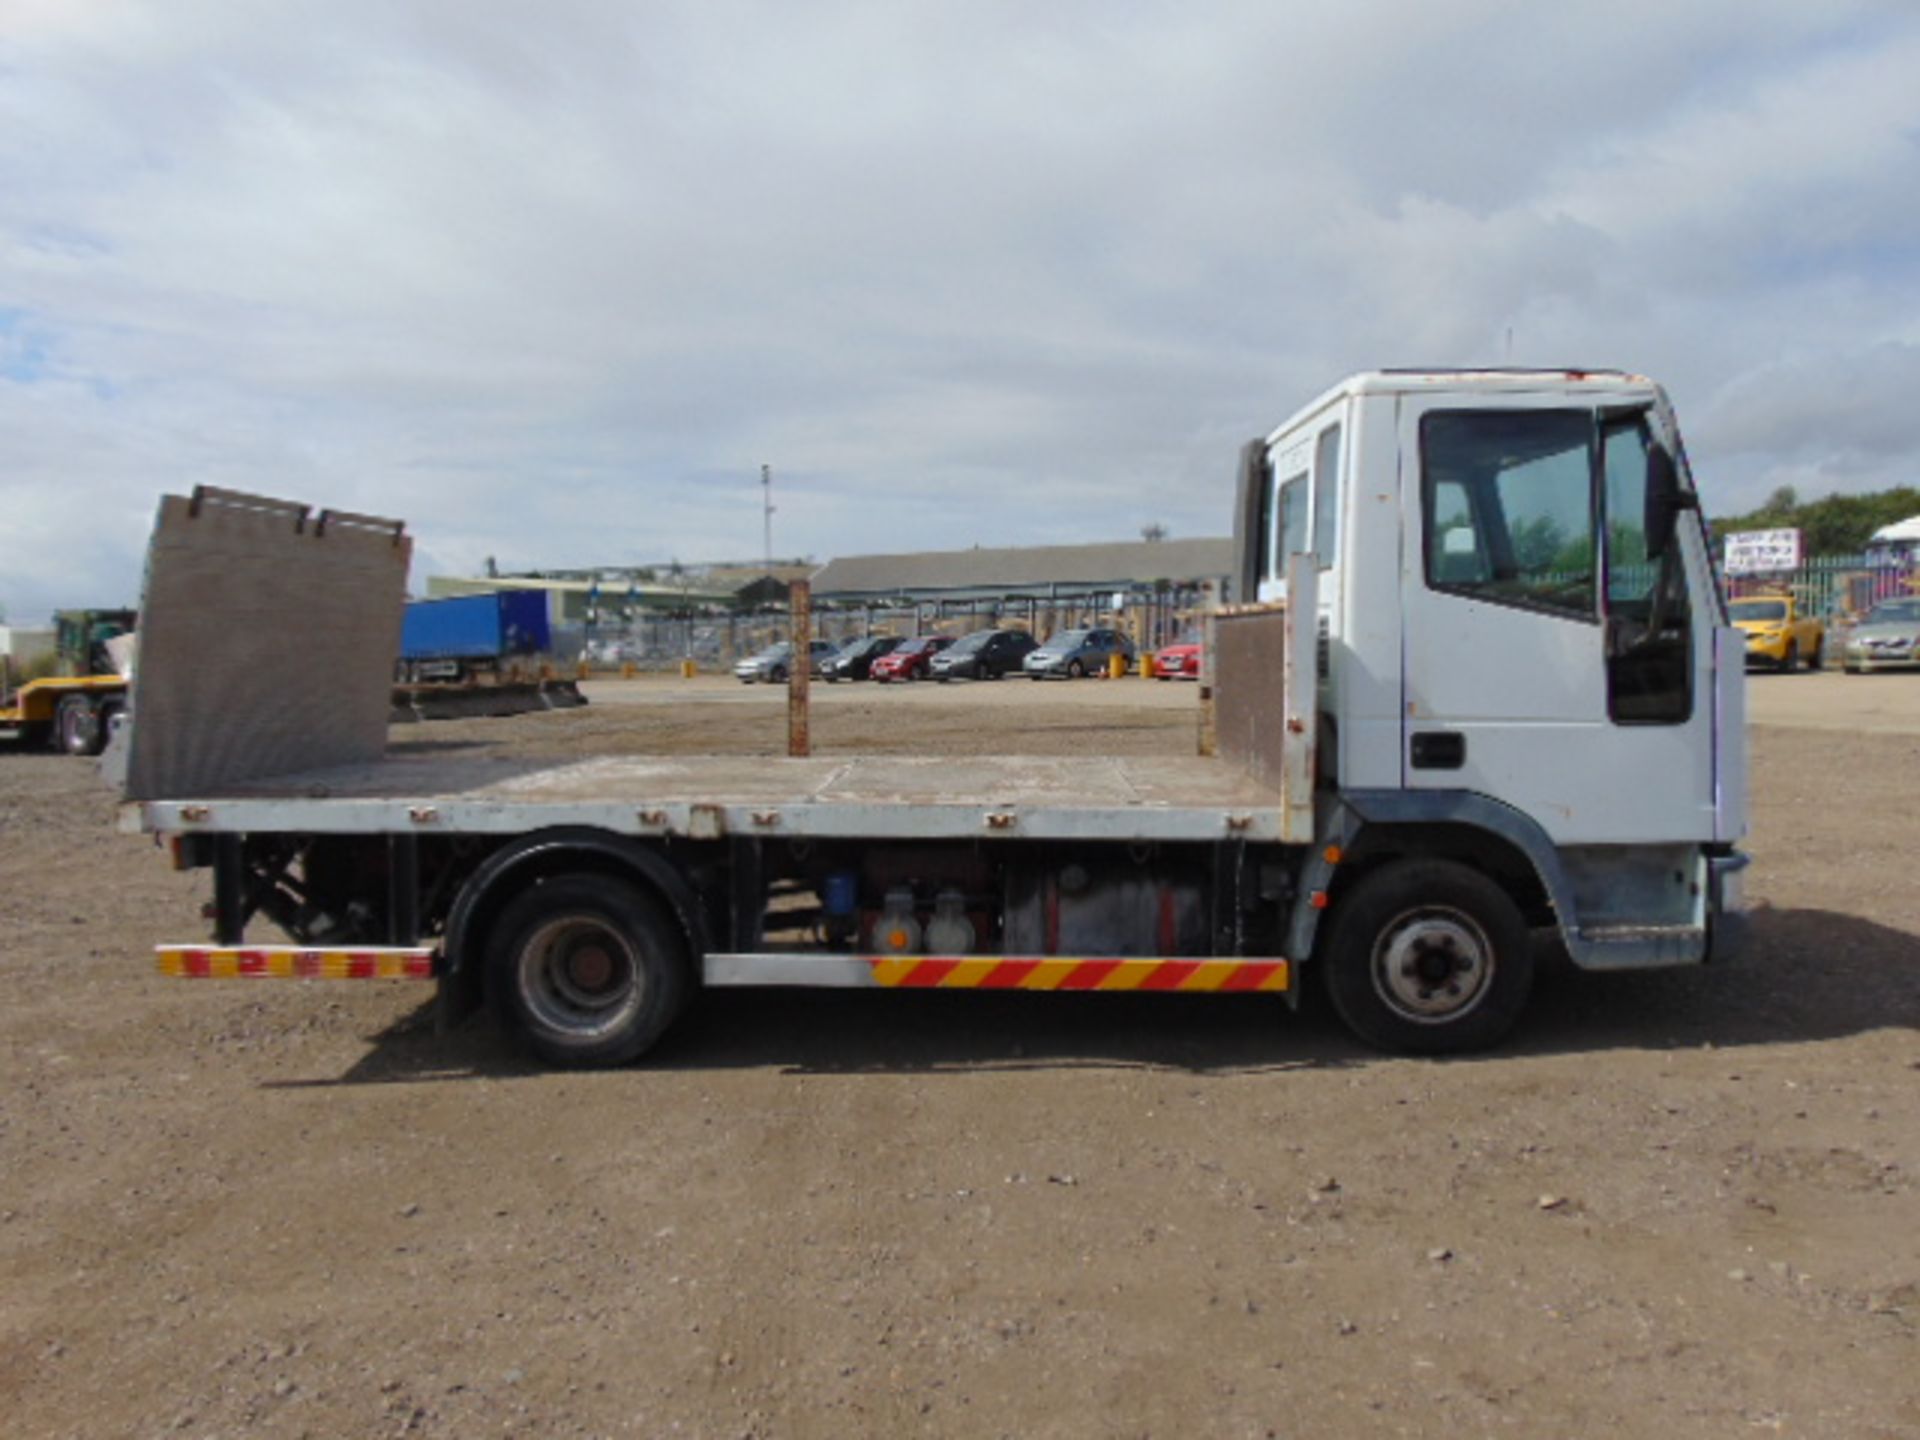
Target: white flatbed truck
point(1481, 682)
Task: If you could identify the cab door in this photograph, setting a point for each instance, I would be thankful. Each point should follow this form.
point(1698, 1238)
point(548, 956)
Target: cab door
point(1550, 659)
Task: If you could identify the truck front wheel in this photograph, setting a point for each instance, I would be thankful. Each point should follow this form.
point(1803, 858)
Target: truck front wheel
point(587, 969)
point(1428, 956)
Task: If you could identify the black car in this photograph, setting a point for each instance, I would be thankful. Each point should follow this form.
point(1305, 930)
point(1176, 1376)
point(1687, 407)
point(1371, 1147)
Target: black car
point(854, 660)
point(983, 655)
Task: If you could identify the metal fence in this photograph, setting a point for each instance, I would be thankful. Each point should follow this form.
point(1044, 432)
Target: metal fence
point(1832, 587)
point(1836, 588)
point(715, 640)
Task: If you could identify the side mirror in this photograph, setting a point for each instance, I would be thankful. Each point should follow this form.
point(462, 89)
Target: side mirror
point(1665, 500)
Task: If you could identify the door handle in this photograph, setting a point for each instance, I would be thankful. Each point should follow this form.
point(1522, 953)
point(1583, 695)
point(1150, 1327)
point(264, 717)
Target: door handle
point(1437, 750)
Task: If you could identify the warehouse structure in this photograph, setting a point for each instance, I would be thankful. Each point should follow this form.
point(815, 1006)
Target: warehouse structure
point(1153, 585)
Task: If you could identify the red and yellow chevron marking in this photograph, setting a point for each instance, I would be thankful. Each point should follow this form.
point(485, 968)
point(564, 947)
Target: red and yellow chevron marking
point(1054, 972)
point(289, 962)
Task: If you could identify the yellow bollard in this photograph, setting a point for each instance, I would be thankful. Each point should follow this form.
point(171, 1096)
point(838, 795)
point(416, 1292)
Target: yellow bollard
point(686, 669)
point(583, 671)
point(628, 670)
point(1147, 669)
point(1116, 665)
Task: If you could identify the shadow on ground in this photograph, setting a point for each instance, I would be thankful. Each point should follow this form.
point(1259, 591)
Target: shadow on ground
point(1809, 976)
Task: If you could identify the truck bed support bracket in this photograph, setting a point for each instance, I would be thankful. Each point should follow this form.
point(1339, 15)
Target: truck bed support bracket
point(746, 894)
point(1229, 918)
point(229, 889)
point(403, 889)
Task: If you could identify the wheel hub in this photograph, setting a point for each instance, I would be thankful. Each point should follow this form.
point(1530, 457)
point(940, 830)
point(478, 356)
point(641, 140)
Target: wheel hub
point(590, 967)
point(1433, 964)
point(579, 976)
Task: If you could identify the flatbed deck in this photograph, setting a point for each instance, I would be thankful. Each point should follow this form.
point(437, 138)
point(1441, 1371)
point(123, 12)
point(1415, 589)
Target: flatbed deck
point(873, 797)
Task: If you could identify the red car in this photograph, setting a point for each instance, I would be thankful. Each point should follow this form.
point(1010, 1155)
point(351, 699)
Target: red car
point(908, 660)
point(1180, 660)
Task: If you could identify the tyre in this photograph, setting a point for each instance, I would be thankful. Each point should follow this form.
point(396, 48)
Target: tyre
point(1075, 670)
point(777, 676)
point(1427, 957)
point(76, 726)
point(1818, 660)
point(587, 970)
point(1790, 662)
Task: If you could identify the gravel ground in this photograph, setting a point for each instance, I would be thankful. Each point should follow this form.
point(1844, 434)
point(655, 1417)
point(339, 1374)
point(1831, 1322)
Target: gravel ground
point(1675, 1205)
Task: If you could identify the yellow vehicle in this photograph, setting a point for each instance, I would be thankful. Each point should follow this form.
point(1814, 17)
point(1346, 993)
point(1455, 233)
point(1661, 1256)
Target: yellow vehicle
point(1778, 633)
point(75, 709)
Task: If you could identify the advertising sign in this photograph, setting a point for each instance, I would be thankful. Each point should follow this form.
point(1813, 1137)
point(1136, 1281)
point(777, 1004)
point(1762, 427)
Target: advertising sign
point(1763, 552)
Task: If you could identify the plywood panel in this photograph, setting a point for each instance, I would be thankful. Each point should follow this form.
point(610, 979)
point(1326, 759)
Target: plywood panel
point(267, 643)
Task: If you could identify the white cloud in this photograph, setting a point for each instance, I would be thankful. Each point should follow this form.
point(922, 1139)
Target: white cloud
point(553, 287)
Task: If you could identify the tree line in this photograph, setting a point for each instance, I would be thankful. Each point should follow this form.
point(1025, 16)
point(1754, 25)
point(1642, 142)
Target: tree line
point(1831, 525)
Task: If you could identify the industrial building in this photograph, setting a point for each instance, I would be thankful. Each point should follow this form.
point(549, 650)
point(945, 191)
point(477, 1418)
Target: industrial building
point(1152, 583)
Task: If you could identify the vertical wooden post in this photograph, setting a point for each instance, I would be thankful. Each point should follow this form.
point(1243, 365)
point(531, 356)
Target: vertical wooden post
point(800, 669)
point(1208, 736)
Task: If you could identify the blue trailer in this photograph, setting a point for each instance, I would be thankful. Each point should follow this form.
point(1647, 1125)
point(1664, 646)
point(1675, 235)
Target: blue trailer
point(476, 629)
point(468, 655)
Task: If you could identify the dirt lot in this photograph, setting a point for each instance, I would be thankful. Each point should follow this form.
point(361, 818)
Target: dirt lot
point(1677, 1205)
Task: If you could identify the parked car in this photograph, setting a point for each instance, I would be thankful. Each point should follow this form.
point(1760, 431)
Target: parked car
point(772, 664)
point(1887, 638)
point(1778, 632)
point(1181, 659)
point(908, 660)
point(1074, 653)
point(983, 655)
point(854, 660)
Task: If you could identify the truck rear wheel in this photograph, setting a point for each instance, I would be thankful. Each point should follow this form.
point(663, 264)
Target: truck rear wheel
point(1428, 956)
point(76, 726)
point(587, 969)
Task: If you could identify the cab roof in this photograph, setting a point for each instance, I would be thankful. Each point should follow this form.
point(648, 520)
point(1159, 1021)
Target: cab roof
point(1494, 379)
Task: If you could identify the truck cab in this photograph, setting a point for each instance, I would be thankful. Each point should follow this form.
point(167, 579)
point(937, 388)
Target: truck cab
point(1521, 641)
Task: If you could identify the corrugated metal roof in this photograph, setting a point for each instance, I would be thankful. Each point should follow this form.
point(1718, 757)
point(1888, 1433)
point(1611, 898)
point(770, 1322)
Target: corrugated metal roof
point(1027, 568)
point(610, 590)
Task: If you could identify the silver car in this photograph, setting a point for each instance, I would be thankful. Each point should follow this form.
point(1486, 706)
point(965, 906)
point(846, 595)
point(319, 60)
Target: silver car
point(772, 664)
point(1074, 653)
point(1888, 638)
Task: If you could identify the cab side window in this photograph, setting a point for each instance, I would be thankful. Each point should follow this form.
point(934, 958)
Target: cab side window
point(1649, 621)
point(1293, 522)
point(1326, 497)
point(1508, 508)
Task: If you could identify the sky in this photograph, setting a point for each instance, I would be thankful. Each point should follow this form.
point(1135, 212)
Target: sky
point(553, 283)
